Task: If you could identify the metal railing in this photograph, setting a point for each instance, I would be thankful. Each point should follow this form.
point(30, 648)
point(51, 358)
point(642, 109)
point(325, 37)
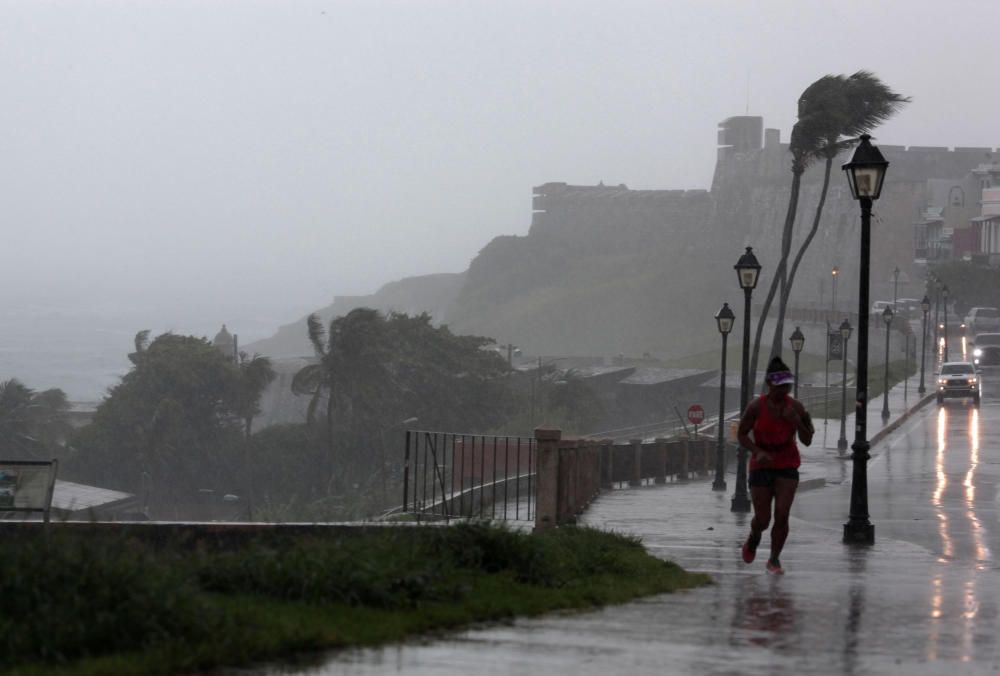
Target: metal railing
point(449, 475)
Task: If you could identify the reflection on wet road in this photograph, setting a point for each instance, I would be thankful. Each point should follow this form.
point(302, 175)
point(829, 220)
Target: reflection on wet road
point(934, 485)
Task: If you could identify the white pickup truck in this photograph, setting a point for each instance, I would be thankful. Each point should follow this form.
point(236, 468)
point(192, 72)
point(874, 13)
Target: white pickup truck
point(982, 320)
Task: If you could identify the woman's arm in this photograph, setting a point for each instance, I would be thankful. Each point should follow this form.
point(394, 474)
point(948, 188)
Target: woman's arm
point(803, 423)
point(746, 426)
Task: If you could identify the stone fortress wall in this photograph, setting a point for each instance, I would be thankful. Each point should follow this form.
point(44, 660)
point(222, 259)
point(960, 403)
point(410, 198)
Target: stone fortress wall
point(747, 203)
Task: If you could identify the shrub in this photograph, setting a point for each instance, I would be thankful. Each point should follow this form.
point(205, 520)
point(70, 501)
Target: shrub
point(67, 597)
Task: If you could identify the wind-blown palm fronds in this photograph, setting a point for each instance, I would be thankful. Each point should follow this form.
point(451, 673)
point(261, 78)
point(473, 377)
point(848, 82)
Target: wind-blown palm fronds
point(832, 113)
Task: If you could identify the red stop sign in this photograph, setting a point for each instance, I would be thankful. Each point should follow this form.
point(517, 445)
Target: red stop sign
point(696, 414)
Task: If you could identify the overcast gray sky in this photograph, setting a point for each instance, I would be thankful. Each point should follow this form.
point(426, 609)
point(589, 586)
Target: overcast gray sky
point(232, 158)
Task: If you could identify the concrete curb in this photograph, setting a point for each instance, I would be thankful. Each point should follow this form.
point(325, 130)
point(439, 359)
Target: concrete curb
point(888, 429)
point(809, 484)
point(820, 482)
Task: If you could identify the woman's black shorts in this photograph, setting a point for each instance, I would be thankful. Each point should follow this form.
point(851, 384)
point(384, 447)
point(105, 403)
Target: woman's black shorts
point(764, 478)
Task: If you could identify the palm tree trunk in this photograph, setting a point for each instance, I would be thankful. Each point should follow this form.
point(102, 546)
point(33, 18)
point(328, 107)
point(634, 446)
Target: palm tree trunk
point(779, 274)
point(329, 442)
point(780, 327)
point(783, 289)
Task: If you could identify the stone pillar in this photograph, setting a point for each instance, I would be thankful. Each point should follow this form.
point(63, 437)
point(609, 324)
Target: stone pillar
point(636, 479)
point(606, 450)
point(661, 461)
point(547, 478)
point(567, 482)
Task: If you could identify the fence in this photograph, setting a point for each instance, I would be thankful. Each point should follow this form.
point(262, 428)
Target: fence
point(546, 480)
point(448, 475)
point(572, 472)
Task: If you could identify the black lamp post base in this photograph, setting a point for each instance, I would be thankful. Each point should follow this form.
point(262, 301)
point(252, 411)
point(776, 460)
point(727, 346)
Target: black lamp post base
point(718, 485)
point(860, 533)
point(740, 503)
point(885, 415)
point(841, 445)
point(921, 389)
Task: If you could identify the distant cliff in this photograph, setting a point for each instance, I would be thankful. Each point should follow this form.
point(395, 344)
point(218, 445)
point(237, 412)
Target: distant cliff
point(600, 272)
point(432, 294)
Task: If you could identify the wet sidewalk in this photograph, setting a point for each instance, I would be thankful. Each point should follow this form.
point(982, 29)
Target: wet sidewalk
point(893, 608)
point(823, 463)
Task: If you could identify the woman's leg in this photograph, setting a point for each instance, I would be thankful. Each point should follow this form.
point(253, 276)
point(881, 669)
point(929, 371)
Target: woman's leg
point(784, 494)
point(761, 497)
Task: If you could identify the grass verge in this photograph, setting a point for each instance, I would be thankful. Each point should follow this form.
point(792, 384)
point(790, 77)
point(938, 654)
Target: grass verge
point(114, 604)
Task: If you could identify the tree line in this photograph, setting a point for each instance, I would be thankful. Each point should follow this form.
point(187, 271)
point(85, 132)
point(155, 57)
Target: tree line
point(181, 420)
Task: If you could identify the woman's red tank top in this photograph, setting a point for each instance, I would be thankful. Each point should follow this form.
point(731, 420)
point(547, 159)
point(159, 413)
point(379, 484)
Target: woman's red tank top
point(775, 435)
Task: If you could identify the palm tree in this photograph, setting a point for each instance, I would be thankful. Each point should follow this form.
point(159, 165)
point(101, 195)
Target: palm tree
point(349, 357)
point(865, 103)
point(254, 375)
point(829, 109)
point(32, 423)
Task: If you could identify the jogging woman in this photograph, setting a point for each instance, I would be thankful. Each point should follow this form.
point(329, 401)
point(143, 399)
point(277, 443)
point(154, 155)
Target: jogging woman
point(773, 419)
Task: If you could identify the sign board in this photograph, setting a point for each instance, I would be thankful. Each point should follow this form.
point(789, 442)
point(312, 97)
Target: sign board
point(26, 485)
point(835, 351)
point(696, 414)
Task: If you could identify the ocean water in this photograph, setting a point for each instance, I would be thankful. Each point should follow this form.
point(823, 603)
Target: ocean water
point(84, 350)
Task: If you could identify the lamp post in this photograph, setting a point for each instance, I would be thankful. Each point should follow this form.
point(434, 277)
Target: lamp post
point(747, 271)
point(798, 341)
point(895, 287)
point(845, 335)
point(925, 306)
point(944, 296)
point(865, 173)
point(937, 319)
point(826, 382)
point(724, 319)
point(887, 318)
point(834, 273)
point(906, 364)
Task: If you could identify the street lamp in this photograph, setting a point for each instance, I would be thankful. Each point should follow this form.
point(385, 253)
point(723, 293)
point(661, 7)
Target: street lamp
point(865, 174)
point(845, 335)
point(937, 318)
point(724, 319)
point(887, 318)
point(895, 287)
point(944, 296)
point(925, 306)
point(798, 341)
point(834, 273)
point(748, 271)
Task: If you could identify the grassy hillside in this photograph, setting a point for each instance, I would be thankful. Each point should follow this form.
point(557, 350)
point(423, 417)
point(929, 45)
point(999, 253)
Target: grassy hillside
point(566, 299)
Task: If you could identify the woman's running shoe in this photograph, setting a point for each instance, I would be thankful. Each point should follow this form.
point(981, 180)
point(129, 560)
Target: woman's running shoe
point(748, 552)
point(774, 567)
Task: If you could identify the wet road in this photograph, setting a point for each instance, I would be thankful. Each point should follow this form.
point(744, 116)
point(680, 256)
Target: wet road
point(934, 482)
point(924, 600)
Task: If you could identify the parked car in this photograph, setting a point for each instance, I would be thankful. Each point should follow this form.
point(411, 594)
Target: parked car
point(982, 319)
point(958, 379)
point(986, 349)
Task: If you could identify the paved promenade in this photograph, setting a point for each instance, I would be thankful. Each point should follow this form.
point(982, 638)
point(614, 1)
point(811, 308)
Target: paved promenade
point(894, 608)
